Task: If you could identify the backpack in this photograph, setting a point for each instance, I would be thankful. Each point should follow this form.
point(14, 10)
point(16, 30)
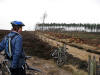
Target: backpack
point(8, 49)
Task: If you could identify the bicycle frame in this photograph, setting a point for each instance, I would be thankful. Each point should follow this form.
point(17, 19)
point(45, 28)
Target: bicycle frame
point(5, 68)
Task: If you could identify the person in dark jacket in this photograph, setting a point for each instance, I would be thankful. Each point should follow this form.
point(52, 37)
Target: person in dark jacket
point(17, 60)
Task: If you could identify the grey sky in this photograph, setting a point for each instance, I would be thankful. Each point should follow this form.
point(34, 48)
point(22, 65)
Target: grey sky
point(60, 11)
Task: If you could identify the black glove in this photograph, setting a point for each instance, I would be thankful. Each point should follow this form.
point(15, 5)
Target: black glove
point(13, 71)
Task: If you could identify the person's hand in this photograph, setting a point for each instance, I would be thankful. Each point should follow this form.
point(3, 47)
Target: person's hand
point(13, 70)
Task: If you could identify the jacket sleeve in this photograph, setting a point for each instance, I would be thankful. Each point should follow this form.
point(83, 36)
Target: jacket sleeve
point(17, 52)
point(2, 45)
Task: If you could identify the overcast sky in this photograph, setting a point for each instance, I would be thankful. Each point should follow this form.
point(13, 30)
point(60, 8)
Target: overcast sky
point(30, 12)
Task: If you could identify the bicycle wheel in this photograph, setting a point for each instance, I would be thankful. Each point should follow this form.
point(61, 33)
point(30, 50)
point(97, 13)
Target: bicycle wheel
point(66, 57)
point(5, 70)
point(60, 62)
point(61, 59)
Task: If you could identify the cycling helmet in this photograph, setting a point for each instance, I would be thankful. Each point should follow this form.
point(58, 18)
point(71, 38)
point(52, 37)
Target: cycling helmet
point(17, 23)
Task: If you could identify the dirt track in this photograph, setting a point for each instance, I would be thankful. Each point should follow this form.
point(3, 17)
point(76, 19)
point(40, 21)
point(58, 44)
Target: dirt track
point(47, 66)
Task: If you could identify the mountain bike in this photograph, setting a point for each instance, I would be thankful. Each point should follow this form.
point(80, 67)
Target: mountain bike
point(60, 55)
point(29, 70)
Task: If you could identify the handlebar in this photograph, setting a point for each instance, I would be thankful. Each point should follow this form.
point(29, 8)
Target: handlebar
point(27, 57)
point(31, 68)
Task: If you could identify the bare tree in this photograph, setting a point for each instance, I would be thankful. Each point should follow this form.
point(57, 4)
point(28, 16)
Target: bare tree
point(44, 17)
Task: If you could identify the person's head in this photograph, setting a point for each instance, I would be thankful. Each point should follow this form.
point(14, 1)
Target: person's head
point(17, 26)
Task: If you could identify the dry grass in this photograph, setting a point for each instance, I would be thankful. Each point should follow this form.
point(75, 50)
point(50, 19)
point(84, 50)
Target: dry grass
point(74, 70)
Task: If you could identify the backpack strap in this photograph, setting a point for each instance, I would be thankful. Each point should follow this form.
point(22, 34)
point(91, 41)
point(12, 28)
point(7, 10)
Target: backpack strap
point(10, 38)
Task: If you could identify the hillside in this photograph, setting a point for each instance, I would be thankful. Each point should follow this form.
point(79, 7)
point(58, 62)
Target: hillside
point(39, 51)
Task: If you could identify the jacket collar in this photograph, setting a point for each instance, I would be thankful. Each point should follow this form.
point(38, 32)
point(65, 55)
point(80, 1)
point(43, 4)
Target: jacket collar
point(15, 32)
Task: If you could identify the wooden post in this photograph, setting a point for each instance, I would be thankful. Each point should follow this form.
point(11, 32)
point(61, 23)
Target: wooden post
point(98, 68)
point(94, 65)
point(91, 67)
point(89, 60)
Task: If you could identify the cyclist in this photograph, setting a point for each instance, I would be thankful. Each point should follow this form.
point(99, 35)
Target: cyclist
point(14, 51)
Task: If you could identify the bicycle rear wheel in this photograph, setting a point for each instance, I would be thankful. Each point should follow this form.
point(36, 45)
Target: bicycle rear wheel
point(60, 62)
point(5, 70)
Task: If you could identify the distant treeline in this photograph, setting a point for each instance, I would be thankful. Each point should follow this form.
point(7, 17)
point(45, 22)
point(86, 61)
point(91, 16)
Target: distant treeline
point(68, 27)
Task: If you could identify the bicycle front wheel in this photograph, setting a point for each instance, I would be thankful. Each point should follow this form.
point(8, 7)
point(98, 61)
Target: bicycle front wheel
point(5, 70)
point(60, 62)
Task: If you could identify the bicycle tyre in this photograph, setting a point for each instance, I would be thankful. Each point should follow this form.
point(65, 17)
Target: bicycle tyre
point(61, 59)
point(60, 62)
point(4, 70)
